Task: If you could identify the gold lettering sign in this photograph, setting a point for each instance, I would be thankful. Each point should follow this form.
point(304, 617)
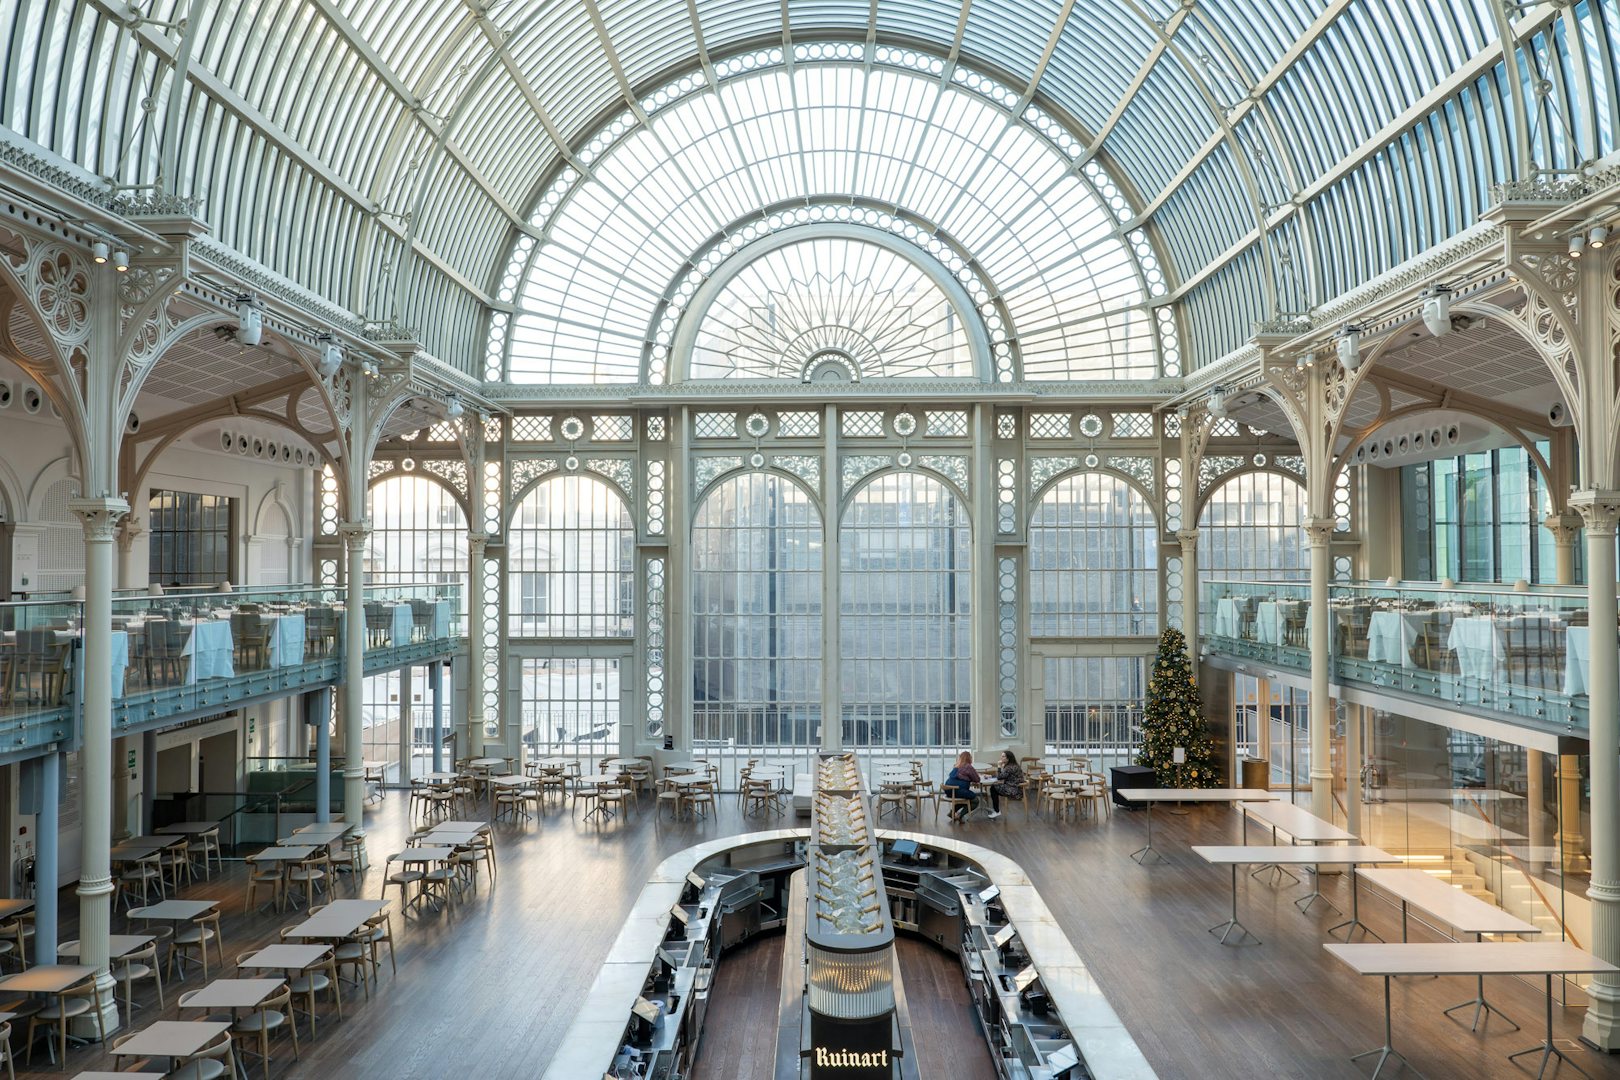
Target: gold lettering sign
point(851, 1059)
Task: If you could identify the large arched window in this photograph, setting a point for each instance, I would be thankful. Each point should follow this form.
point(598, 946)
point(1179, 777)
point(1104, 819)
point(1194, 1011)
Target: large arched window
point(571, 562)
point(1252, 529)
point(418, 533)
point(1093, 560)
point(756, 615)
point(905, 555)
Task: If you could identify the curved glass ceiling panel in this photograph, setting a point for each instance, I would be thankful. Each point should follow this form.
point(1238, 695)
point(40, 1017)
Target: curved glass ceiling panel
point(1009, 197)
point(865, 308)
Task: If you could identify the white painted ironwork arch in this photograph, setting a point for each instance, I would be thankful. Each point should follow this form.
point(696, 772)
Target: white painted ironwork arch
point(966, 309)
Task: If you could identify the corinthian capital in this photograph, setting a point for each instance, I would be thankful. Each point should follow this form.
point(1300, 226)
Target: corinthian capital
point(1319, 531)
point(100, 517)
point(354, 534)
point(1599, 509)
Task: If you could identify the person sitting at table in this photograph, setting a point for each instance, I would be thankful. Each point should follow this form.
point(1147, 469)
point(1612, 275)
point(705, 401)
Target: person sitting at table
point(959, 785)
point(1009, 782)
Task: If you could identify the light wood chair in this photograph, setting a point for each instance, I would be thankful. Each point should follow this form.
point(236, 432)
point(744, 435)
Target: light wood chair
point(215, 1061)
point(309, 874)
point(257, 1025)
point(951, 800)
point(382, 931)
point(132, 968)
point(402, 878)
point(700, 799)
point(75, 1001)
point(203, 929)
point(269, 876)
point(6, 1052)
point(1063, 800)
point(670, 795)
point(320, 976)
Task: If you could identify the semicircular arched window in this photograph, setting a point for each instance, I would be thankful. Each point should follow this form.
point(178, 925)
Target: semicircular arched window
point(793, 309)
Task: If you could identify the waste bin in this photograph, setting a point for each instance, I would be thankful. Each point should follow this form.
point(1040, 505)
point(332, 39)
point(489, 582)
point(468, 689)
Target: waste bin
point(1257, 773)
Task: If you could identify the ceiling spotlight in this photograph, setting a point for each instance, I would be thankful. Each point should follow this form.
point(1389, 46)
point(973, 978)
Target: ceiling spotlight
point(331, 356)
point(120, 260)
point(452, 407)
point(1437, 310)
point(370, 369)
point(99, 251)
point(249, 320)
point(1599, 236)
point(1217, 403)
point(1300, 363)
point(1577, 244)
point(1350, 346)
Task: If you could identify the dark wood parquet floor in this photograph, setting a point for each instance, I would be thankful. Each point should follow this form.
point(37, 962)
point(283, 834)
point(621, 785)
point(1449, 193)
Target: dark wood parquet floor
point(488, 990)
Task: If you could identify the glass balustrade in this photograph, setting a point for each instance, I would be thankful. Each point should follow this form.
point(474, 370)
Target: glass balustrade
point(185, 652)
point(1523, 654)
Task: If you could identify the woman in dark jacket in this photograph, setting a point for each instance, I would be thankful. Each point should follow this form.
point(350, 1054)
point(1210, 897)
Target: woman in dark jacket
point(959, 785)
point(1009, 782)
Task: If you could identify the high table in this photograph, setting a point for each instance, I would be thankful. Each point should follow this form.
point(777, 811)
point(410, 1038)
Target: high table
point(1299, 823)
point(1234, 856)
point(1544, 958)
point(1455, 908)
point(1209, 795)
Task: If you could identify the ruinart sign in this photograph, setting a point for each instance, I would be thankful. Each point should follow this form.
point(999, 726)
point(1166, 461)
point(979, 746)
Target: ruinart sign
point(851, 1059)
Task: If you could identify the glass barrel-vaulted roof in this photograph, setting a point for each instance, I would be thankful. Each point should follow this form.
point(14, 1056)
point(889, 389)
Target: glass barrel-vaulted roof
point(388, 156)
point(621, 233)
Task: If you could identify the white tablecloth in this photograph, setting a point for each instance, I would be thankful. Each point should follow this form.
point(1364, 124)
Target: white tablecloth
point(1577, 659)
point(1479, 648)
point(1391, 636)
point(1271, 619)
point(286, 640)
point(1229, 617)
point(404, 619)
point(211, 649)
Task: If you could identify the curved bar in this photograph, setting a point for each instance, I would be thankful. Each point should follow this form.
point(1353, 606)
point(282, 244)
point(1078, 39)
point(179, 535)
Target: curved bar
point(593, 1039)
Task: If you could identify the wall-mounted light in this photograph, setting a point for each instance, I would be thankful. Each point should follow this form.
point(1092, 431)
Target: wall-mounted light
point(1577, 244)
point(249, 320)
point(1350, 346)
point(1437, 310)
point(1217, 403)
point(99, 251)
point(370, 369)
point(331, 356)
point(453, 407)
point(120, 260)
point(1598, 236)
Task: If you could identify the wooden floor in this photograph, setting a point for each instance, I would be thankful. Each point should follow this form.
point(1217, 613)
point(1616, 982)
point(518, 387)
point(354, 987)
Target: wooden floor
point(489, 990)
point(739, 1040)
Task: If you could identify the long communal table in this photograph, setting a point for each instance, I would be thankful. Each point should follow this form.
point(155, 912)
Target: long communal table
point(1149, 796)
point(1299, 823)
point(1236, 855)
point(1466, 914)
point(1544, 958)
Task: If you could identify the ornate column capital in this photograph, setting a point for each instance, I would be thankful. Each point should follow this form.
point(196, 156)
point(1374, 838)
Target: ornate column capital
point(1565, 526)
point(475, 544)
point(100, 517)
point(1319, 531)
point(1600, 509)
point(354, 534)
point(1188, 538)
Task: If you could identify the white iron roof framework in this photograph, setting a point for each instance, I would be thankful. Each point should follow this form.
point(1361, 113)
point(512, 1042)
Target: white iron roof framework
point(390, 157)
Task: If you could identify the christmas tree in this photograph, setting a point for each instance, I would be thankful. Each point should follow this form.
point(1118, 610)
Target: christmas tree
point(1173, 717)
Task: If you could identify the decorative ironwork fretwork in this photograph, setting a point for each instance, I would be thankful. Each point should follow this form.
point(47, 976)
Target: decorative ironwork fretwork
point(1043, 469)
point(525, 471)
point(858, 467)
point(806, 467)
point(705, 470)
point(1139, 469)
point(952, 466)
